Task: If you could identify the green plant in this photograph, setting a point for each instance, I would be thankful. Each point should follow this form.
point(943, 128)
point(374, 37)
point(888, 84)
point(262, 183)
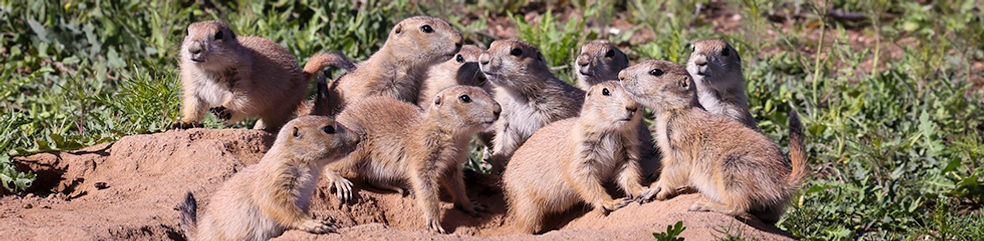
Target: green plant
point(559, 44)
point(672, 231)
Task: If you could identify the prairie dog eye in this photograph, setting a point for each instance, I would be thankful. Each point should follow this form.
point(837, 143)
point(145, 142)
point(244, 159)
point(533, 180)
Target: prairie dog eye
point(328, 129)
point(610, 53)
point(656, 72)
point(464, 98)
point(427, 29)
point(218, 35)
point(459, 58)
point(516, 52)
point(725, 52)
point(605, 92)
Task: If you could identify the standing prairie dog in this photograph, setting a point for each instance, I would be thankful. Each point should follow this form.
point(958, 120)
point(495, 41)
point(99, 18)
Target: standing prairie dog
point(398, 68)
point(599, 61)
point(738, 170)
point(716, 69)
point(265, 199)
point(460, 70)
point(567, 161)
point(424, 150)
point(531, 97)
point(241, 76)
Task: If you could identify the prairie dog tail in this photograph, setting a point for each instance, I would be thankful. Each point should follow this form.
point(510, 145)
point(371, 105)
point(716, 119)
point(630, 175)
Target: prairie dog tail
point(322, 60)
point(796, 150)
point(189, 216)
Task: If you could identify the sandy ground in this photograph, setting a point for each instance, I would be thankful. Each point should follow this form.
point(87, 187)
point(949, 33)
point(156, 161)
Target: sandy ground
point(131, 189)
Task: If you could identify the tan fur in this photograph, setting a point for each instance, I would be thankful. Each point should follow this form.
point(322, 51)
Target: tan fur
point(239, 76)
point(567, 161)
point(398, 68)
point(265, 199)
point(462, 69)
point(599, 61)
point(407, 147)
point(738, 170)
point(716, 69)
point(531, 97)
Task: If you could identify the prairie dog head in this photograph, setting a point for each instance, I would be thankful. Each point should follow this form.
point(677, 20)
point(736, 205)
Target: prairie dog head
point(715, 62)
point(599, 61)
point(316, 138)
point(608, 105)
point(658, 84)
point(423, 41)
point(508, 62)
point(464, 65)
point(464, 107)
point(210, 45)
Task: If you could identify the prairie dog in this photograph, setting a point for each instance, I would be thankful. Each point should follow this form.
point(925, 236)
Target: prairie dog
point(599, 61)
point(738, 170)
point(398, 68)
point(239, 77)
point(265, 199)
point(460, 70)
point(716, 69)
point(531, 97)
point(567, 161)
point(404, 146)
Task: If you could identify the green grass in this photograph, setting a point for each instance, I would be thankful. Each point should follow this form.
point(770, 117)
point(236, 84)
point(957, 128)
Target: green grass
point(894, 127)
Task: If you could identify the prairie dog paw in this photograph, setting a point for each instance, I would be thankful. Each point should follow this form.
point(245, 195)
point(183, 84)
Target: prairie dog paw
point(318, 227)
point(342, 188)
point(221, 112)
point(435, 226)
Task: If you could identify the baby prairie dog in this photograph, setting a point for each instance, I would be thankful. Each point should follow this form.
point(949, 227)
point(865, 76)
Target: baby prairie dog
point(567, 161)
point(423, 150)
point(460, 70)
point(716, 69)
point(738, 170)
point(240, 77)
point(599, 61)
point(265, 199)
point(531, 97)
point(398, 68)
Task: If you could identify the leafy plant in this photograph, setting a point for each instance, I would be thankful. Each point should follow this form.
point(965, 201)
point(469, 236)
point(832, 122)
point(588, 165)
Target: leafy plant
point(672, 231)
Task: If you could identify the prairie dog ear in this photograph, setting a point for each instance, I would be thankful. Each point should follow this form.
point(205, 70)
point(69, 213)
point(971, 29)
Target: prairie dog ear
point(684, 84)
point(437, 100)
point(398, 29)
point(295, 133)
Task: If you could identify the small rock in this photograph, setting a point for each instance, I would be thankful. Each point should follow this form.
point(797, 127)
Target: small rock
point(46, 207)
point(30, 195)
point(28, 206)
point(101, 185)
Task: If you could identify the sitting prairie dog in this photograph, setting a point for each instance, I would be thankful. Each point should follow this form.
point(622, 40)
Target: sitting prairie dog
point(460, 70)
point(599, 61)
point(716, 69)
point(241, 76)
point(265, 199)
point(738, 170)
point(398, 68)
point(404, 146)
point(567, 161)
point(531, 97)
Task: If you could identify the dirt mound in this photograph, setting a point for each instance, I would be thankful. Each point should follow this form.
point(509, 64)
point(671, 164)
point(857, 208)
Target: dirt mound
point(131, 189)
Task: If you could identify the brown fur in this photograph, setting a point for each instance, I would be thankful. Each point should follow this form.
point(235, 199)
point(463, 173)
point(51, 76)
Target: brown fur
point(407, 147)
point(265, 199)
point(567, 161)
point(738, 170)
point(239, 76)
point(460, 70)
point(716, 69)
point(531, 97)
point(599, 61)
point(397, 69)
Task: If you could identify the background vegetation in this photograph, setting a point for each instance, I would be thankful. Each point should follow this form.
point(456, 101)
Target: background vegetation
point(890, 90)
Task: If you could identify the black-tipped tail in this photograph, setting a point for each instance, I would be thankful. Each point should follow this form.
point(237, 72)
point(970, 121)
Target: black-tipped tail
point(189, 216)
